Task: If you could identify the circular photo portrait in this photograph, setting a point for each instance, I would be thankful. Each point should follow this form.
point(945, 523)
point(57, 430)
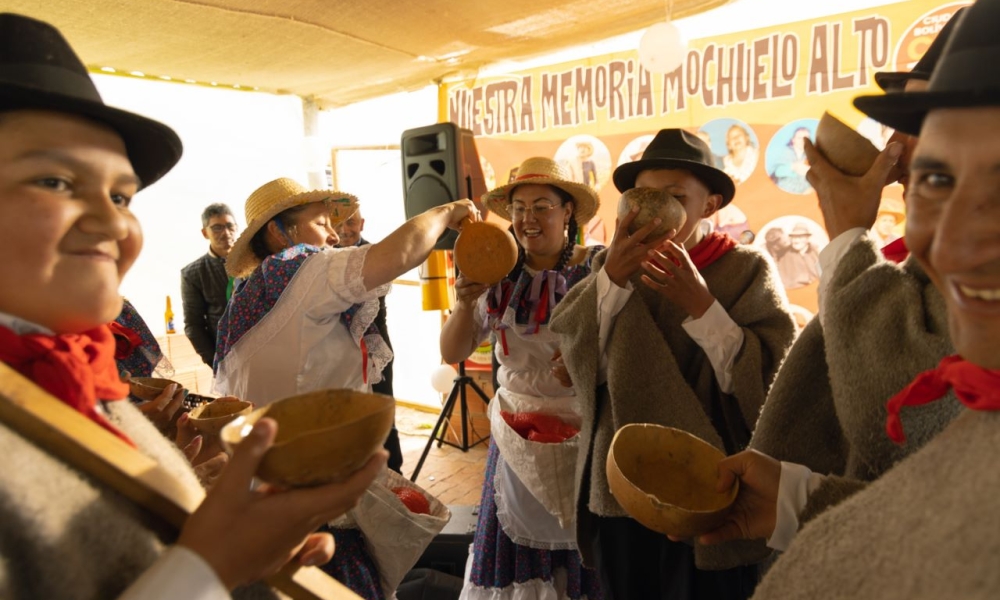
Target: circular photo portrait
point(730, 219)
point(587, 159)
point(890, 221)
point(734, 145)
point(875, 132)
point(794, 242)
point(634, 149)
point(785, 159)
point(489, 175)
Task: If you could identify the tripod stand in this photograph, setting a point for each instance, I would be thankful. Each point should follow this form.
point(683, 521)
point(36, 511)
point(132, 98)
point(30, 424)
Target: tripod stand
point(438, 433)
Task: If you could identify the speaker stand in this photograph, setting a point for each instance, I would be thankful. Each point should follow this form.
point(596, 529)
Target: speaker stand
point(457, 394)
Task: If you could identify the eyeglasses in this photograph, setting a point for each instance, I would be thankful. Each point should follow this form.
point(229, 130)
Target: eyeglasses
point(231, 227)
point(540, 209)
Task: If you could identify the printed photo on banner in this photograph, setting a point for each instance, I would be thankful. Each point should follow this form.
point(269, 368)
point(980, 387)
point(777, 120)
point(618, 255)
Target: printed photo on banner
point(587, 159)
point(786, 156)
point(794, 242)
point(735, 146)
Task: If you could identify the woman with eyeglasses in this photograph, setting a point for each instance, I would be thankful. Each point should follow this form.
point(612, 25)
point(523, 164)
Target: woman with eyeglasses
point(524, 542)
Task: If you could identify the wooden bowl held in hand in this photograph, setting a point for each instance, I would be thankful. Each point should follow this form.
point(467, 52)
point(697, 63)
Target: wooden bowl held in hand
point(211, 417)
point(485, 252)
point(323, 436)
point(148, 388)
point(665, 478)
point(652, 203)
point(845, 148)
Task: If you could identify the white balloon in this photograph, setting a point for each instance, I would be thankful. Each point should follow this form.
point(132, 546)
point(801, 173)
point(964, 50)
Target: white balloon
point(662, 48)
point(443, 377)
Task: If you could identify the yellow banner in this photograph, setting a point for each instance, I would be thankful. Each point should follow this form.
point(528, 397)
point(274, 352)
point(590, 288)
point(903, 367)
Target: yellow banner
point(751, 95)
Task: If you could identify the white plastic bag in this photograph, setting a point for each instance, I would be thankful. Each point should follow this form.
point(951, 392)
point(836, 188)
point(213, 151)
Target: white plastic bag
point(396, 538)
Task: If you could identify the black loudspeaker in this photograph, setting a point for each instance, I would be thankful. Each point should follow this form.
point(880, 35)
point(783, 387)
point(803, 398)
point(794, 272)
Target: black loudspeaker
point(440, 165)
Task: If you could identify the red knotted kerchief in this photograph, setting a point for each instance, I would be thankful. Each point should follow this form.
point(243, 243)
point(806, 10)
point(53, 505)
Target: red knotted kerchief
point(976, 387)
point(78, 368)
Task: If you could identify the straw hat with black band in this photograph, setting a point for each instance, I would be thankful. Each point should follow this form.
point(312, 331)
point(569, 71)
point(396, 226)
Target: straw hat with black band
point(965, 77)
point(678, 149)
point(273, 198)
point(895, 81)
point(39, 70)
point(545, 171)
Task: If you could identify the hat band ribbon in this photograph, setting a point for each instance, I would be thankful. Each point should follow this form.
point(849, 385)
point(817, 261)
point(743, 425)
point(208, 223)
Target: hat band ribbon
point(52, 80)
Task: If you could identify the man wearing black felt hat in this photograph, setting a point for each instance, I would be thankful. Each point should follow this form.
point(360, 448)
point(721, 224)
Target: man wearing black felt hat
point(825, 412)
point(696, 350)
point(925, 529)
point(87, 478)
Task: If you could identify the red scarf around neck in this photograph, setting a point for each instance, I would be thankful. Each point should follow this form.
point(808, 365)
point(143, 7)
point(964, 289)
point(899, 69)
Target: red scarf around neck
point(711, 248)
point(896, 251)
point(976, 387)
point(77, 368)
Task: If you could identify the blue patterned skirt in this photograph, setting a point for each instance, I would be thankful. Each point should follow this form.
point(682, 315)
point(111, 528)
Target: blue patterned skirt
point(498, 562)
point(352, 565)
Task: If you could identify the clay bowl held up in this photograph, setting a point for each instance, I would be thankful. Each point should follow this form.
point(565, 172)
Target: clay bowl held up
point(211, 417)
point(665, 479)
point(148, 388)
point(652, 203)
point(845, 148)
point(485, 252)
point(323, 436)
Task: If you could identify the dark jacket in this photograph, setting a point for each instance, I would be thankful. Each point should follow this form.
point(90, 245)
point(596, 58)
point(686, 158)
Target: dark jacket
point(203, 292)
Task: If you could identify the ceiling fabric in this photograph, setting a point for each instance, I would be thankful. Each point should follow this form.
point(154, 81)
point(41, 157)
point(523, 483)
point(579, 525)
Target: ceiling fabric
point(335, 51)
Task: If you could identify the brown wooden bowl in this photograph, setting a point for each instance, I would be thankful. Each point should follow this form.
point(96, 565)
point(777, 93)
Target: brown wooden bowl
point(485, 252)
point(323, 436)
point(844, 147)
point(209, 418)
point(665, 478)
point(652, 203)
point(148, 388)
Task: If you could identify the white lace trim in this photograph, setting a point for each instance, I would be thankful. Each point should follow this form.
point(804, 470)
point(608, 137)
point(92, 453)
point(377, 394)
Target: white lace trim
point(379, 353)
point(533, 589)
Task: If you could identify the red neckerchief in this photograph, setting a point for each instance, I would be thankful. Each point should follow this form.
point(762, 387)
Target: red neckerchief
point(126, 340)
point(711, 248)
point(77, 368)
point(896, 250)
point(976, 387)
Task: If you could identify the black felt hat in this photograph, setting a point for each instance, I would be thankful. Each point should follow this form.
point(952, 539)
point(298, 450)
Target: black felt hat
point(895, 81)
point(966, 75)
point(678, 149)
point(39, 70)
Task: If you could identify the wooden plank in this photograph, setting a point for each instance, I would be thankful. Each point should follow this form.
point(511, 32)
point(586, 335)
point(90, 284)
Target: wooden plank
point(83, 444)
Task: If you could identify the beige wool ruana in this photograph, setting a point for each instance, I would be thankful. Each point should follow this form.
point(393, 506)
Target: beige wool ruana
point(657, 374)
point(884, 324)
point(65, 535)
point(925, 530)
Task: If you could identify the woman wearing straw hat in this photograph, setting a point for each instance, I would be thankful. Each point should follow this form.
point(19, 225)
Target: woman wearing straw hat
point(69, 167)
point(521, 550)
point(304, 320)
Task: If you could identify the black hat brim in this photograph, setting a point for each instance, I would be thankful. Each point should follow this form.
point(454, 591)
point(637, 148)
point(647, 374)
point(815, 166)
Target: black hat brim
point(894, 81)
point(906, 111)
point(153, 148)
point(717, 181)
